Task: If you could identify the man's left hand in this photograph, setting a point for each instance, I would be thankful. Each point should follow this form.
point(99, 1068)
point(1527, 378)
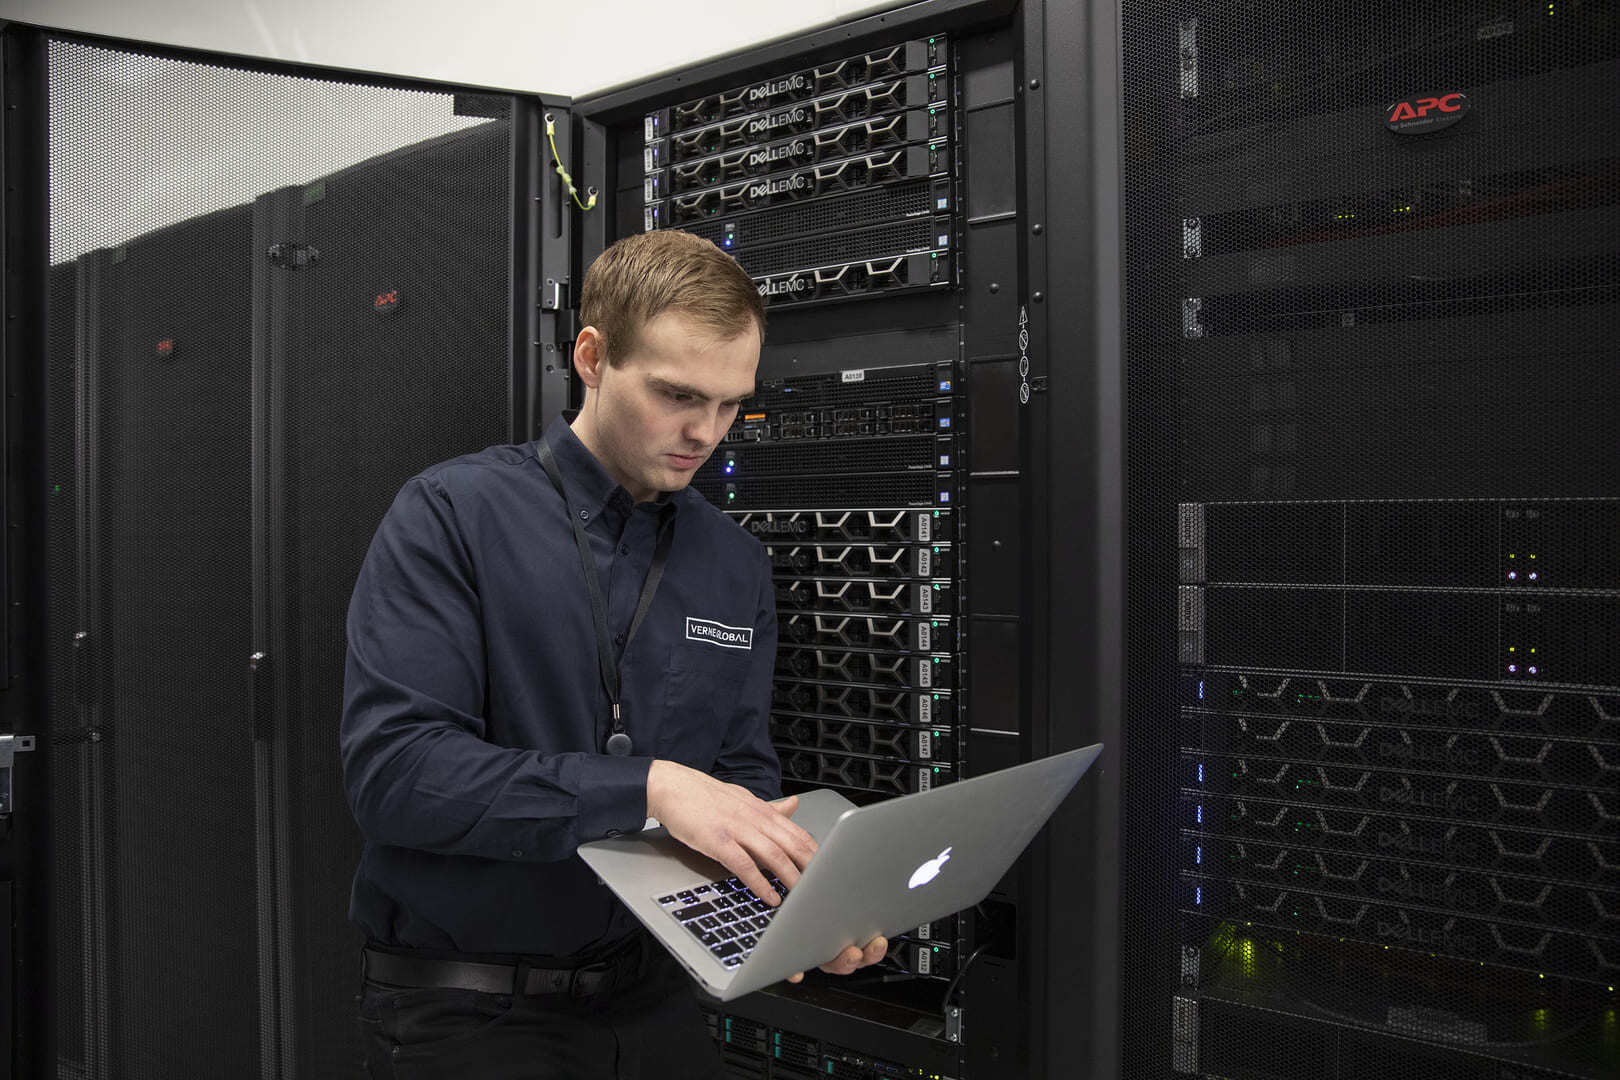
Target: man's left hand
point(851, 959)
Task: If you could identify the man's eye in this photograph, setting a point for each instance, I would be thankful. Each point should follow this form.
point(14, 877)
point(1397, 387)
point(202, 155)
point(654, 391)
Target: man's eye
point(677, 396)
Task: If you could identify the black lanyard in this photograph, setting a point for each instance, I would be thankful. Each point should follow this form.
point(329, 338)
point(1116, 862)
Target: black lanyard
point(618, 743)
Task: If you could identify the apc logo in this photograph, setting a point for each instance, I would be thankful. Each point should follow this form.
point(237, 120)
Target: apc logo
point(1421, 115)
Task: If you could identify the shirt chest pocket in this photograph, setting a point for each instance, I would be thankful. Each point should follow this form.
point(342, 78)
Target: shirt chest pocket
point(702, 687)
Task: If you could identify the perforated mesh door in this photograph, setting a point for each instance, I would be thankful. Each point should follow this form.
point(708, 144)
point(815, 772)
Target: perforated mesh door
point(272, 301)
point(1374, 735)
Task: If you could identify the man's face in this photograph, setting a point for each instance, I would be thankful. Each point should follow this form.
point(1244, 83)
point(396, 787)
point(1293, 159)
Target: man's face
point(653, 416)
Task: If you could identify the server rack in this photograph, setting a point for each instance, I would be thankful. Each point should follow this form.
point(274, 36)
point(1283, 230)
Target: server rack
point(885, 184)
point(1372, 385)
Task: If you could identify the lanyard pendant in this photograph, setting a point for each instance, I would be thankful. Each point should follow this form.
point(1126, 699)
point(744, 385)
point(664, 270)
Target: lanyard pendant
point(618, 743)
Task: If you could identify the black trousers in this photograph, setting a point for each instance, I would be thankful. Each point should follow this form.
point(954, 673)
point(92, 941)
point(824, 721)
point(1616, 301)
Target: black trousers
point(647, 1026)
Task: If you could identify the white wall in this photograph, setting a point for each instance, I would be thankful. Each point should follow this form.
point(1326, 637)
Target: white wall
point(147, 150)
point(534, 45)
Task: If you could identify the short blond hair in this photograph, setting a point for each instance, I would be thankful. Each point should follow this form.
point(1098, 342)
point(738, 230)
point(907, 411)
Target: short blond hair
point(642, 276)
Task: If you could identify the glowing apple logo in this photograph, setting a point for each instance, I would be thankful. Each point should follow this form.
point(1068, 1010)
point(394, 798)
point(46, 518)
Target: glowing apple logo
point(929, 870)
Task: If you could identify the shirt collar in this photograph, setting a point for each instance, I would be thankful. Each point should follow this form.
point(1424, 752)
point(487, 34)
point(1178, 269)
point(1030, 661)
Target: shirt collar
point(588, 485)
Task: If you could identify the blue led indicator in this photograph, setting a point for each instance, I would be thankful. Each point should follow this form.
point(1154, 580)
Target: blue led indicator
point(728, 469)
point(944, 386)
point(944, 421)
point(1200, 814)
point(1198, 895)
point(1198, 855)
point(1200, 772)
point(944, 496)
point(1200, 689)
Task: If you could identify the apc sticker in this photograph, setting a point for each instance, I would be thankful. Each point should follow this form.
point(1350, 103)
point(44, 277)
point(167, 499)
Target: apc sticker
point(716, 633)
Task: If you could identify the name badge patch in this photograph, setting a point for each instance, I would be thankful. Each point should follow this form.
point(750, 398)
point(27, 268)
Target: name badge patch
point(716, 633)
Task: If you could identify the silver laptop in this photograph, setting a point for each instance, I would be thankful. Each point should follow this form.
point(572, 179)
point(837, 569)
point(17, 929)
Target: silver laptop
point(879, 870)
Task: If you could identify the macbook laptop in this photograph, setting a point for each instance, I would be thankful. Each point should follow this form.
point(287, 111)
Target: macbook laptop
point(879, 870)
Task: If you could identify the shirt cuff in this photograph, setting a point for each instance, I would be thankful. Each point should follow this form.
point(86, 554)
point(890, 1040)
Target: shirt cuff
point(612, 795)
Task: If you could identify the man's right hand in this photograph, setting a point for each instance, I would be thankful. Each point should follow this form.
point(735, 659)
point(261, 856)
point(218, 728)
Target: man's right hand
point(731, 825)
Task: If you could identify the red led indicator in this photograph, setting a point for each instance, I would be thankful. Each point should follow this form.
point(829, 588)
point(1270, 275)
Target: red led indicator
point(386, 302)
point(165, 348)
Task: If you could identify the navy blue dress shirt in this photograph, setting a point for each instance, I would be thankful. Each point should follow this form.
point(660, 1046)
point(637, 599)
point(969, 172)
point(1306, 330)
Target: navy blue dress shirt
point(474, 717)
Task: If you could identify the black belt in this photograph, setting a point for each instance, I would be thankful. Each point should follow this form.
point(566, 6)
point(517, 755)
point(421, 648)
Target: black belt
point(523, 977)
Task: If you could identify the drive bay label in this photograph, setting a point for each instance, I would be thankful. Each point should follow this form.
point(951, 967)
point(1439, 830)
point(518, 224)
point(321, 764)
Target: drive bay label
point(766, 188)
point(795, 149)
point(776, 120)
point(788, 286)
point(781, 527)
point(765, 91)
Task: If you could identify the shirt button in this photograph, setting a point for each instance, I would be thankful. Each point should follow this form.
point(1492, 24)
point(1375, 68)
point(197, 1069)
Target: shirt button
point(584, 515)
point(620, 637)
point(517, 853)
point(624, 549)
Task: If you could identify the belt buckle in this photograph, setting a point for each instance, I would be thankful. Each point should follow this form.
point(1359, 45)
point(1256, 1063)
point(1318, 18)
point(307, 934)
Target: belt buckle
point(576, 988)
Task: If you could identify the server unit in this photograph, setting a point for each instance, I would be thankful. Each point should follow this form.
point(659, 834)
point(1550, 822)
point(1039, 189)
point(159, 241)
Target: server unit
point(1376, 605)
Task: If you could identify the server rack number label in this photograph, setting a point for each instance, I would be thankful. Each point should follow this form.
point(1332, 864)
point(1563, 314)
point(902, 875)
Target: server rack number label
point(925, 745)
point(925, 932)
point(925, 672)
point(925, 780)
point(853, 376)
point(647, 159)
point(924, 960)
point(925, 709)
point(925, 599)
point(925, 526)
point(924, 638)
point(925, 563)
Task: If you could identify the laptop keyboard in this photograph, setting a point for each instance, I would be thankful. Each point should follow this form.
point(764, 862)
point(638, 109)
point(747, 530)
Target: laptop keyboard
point(725, 916)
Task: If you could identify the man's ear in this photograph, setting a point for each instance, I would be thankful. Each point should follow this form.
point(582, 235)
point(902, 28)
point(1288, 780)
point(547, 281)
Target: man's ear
point(590, 356)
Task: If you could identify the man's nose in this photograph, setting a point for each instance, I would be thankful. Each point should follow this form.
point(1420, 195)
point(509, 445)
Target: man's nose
point(706, 430)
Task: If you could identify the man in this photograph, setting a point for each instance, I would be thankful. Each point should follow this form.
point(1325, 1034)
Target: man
point(480, 741)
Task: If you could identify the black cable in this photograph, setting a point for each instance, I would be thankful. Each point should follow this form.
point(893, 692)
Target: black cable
point(950, 990)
